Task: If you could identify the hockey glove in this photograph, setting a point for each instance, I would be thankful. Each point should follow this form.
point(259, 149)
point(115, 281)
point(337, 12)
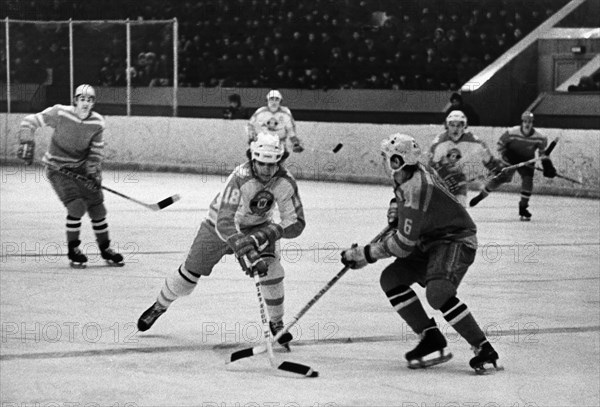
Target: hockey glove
point(297, 148)
point(357, 257)
point(256, 264)
point(94, 174)
point(94, 181)
point(455, 181)
point(495, 166)
point(392, 213)
point(549, 170)
point(25, 151)
point(258, 240)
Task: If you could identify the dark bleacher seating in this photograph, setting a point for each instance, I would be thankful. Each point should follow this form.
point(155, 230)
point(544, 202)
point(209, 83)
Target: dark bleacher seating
point(312, 44)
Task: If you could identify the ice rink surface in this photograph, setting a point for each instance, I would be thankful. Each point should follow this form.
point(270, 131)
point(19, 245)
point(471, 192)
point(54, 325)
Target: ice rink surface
point(69, 336)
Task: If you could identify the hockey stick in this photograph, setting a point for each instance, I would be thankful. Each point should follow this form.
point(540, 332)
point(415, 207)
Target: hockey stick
point(291, 367)
point(561, 176)
point(245, 353)
point(335, 149)
point(533, 160)
point(86, 181)
point(521, 164)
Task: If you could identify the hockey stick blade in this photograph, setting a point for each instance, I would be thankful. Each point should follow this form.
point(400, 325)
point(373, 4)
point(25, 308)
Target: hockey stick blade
point(168, 201)
point(298, 369)
point(562, 176)
point(337, 148)
point(256, 350)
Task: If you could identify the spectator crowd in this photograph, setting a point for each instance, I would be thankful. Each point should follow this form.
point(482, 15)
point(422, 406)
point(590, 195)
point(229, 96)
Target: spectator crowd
point(312, 44)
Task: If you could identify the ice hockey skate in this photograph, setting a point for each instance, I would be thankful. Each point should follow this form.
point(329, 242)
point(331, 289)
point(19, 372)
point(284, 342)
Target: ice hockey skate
point(149, 317)
point(76, 256)
point(524, 213)
point(111, 257)
point(485, 354)
point(432, 341)
point(285, 339)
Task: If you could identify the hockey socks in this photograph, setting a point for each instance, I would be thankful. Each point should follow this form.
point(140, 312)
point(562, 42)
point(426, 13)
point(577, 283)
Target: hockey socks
point(73, 228)
point(457, 314)
point(100, 227)
point(409, 307)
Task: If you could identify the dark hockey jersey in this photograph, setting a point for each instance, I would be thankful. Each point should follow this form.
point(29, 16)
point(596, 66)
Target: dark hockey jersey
point(427, 214)
point(515, 147)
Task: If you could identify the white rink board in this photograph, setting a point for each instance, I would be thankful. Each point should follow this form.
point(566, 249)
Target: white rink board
point(68, 335)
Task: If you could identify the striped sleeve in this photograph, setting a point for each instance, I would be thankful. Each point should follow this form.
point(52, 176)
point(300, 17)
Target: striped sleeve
point(32, 122)
point(543, 143)
point(291, 209)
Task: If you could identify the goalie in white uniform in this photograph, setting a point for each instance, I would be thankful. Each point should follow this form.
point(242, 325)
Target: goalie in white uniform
point(275, 119)
point(240, 221)
point(455, 153)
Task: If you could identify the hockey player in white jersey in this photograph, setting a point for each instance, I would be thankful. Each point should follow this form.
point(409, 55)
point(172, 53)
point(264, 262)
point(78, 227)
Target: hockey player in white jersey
point(76, 146)
point(455, 154)
point(240, 221)
point(275, 119)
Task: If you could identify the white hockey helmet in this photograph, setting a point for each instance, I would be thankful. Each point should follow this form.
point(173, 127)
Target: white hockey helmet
point(274, 94)
point(457, 116)
point(401, 145)
point(527, 116)
point(85, 90)
point(267, 148)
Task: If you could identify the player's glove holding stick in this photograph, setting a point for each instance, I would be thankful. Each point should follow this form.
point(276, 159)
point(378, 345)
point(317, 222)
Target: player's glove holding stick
point(26, 151)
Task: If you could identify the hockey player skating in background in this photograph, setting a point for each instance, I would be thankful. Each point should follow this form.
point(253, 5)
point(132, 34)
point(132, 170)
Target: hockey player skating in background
point(76, 145)
point(434, 244)
point(455, 153)
point(275, 119)
point(240, 221)
point(516, 145)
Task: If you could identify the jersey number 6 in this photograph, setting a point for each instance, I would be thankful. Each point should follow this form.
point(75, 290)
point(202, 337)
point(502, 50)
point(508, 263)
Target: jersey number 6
point(407, 226)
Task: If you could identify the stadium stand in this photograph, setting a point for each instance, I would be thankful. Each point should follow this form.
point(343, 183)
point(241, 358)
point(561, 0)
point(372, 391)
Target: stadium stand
point(314, 44)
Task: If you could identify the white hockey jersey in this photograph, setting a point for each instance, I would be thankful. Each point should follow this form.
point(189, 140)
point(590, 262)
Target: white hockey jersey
point(280, 122)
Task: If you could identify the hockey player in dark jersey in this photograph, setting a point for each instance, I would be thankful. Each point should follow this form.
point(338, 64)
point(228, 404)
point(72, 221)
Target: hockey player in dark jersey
point(434, 243)
point(240, 220)
point(516, 145)
point(76, 145)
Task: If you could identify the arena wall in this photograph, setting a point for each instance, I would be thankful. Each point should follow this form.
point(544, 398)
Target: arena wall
point(215, 146)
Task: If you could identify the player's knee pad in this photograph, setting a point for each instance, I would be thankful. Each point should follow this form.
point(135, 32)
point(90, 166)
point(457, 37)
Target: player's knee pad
point(391, 278)
point(97, 211)
point(182, 282)
point(272, 287)
point(275, 269)
point(438, 292)
point(76, 208)
point(272, 283)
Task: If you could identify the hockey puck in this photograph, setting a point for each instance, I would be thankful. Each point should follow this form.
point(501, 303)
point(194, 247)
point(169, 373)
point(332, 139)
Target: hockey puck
point(314, 374)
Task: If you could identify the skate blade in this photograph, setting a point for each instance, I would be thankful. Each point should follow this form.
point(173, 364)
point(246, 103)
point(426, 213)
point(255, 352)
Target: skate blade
point(113, 264)
point(77, 265)
point(525, 219)
point(423, 364)
point(483, 371)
